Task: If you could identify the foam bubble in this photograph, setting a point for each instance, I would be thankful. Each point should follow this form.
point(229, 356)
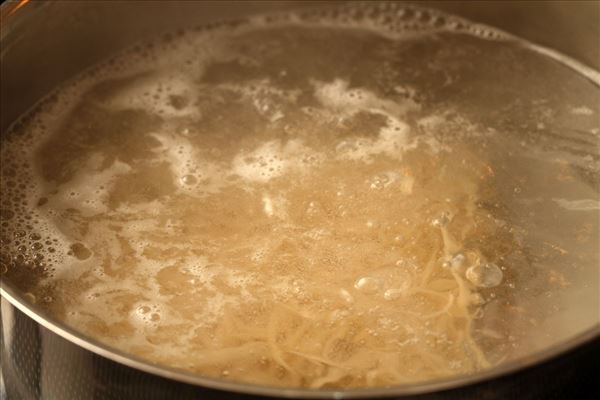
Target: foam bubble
point(578, 204)
point(272, 159)
point(485, 275)
point(340, 98)
point(89, 189)
point(162, 94)
point(368, 285)
point(147, 314)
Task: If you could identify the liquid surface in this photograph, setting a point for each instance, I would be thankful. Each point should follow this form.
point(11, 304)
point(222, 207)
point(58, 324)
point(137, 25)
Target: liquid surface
point(363, 197)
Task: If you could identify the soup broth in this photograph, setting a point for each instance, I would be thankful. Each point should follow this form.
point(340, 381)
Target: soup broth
point(358, 197)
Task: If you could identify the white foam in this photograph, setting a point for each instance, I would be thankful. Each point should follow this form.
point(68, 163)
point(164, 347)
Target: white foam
point(582, 111)
point(578, 205)
point(273, 159)
point(148, 314)
point(89, 188)
point(275, 206)
point(162, 94)
point(346, 101)
point(265, 97)
point(393, 139)
point(178, 152)
point(185, 161)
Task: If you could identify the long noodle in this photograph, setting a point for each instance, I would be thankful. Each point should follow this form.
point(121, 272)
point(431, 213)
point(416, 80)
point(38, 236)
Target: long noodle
point(317, 351)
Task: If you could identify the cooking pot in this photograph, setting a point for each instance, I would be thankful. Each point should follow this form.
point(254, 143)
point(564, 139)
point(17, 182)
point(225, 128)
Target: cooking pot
point(45, 43)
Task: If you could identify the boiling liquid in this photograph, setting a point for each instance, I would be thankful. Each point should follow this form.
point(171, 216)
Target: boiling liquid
point(364, 197)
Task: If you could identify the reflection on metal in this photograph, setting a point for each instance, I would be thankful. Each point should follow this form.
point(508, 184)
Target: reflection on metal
point(17, 5)
point(472, 383)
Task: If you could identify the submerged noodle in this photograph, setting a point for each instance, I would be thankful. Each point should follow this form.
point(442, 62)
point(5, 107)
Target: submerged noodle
point(315, 349)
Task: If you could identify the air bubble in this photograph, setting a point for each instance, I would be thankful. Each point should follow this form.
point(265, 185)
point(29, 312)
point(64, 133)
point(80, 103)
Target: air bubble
point(79, 251)
point(148, 314)
point(30, 297)
point(368, 285)
point(393, 294)
point(485, 275)
point(455, 262)
point(458, 260)
point(441, 221)
point(346, 296)
point(380, 181)
point(189, 180)
point(34, 236)
point(477, 299)
point(6, 214)
point(372, 224)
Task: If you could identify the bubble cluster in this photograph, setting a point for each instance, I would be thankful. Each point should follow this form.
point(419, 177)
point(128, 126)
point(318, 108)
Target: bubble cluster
point(395, 19)
point(147, 314)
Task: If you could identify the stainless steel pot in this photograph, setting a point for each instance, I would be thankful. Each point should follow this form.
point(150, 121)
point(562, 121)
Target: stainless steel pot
point(44, 43)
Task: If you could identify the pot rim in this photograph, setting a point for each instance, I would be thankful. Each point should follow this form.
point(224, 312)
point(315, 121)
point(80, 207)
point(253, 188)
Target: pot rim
point(42, 317)
point(59, 328)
